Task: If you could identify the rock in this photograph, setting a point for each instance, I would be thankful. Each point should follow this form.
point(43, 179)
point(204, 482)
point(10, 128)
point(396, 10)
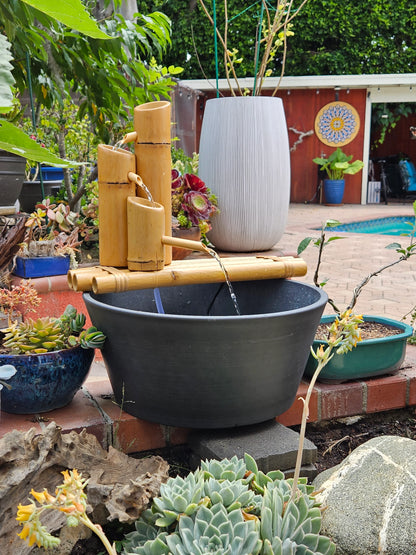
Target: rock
point(369, 499)
point(119, 487)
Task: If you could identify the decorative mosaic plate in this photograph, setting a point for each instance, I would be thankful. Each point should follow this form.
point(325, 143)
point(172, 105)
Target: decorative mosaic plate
point(337, 123)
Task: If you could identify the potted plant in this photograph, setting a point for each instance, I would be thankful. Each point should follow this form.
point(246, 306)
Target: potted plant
point(244, 145)
point(52, 356)
point(50, 242)
point(336, 166)
point(381, 342)
point(193, 206)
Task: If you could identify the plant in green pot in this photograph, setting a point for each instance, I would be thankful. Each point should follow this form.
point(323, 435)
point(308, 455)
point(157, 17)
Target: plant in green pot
point(336, 166)
point(52, 356)
point(381, 343)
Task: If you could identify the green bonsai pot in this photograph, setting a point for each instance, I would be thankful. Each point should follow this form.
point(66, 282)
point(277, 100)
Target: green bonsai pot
point(371, 357)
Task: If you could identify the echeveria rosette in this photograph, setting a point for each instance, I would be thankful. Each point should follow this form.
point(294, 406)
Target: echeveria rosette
point(197, 206)
point(192, 202)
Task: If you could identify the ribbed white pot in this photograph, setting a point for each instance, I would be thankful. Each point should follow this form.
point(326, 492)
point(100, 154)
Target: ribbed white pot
point(244, 159)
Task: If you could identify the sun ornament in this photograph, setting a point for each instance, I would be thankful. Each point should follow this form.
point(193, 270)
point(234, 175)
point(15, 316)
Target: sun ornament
point(337, 124)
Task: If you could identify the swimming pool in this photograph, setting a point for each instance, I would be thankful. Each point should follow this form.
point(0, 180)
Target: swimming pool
point(394, 225)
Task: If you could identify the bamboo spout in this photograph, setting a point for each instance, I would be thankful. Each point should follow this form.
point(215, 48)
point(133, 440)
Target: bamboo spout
point(184, 244)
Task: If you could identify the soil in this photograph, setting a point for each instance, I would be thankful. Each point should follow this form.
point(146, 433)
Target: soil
point(335, 440)
point(369, 330)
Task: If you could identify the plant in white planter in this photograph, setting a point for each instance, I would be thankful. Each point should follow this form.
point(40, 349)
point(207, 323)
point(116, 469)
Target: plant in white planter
point(244, 152)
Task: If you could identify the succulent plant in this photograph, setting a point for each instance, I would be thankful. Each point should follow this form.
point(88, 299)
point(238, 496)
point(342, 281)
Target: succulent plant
point(230, 507)
point(226, 469)
point(34, 336)
point(179, 496)
point(51, 334)
point(233, 495)
point(215, 531)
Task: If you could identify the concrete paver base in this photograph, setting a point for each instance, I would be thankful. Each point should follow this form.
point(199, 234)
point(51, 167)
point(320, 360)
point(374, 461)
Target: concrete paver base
point(272, 445)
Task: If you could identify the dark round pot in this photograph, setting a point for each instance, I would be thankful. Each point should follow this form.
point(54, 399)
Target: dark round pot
point(46, 381)
point(334, 190)
point(201, 366)
point(371, 357)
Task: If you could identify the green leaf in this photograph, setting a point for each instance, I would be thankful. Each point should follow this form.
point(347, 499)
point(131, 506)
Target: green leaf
point(13, 139)
point(335, 238)
point(332, 223)
point(6, 77)
point(304, 244)
point(394, 246)
point(71, 13)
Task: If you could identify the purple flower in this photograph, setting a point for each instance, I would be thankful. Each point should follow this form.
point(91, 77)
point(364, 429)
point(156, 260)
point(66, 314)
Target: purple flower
point(194, 183)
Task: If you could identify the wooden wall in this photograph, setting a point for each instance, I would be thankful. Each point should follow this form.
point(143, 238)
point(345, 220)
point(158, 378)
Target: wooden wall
point(301, 107)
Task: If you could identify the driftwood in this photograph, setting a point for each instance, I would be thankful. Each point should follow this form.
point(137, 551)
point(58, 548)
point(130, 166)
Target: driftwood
point(119, 487)
point(10, 239)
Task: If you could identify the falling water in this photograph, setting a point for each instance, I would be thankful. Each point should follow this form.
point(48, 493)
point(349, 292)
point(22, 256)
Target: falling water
point(118, 144)
point(214, 255)
point(146, 190)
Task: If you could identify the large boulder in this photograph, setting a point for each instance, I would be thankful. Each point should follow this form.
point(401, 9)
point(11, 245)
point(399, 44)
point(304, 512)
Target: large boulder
point(369, 499)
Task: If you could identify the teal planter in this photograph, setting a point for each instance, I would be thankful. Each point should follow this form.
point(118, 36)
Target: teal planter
point(372, 357)
point(334, 190)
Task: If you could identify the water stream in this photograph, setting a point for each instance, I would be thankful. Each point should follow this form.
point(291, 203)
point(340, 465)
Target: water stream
point(215, 255)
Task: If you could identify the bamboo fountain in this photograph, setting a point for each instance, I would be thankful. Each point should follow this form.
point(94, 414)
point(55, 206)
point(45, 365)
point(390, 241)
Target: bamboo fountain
point(171, 361)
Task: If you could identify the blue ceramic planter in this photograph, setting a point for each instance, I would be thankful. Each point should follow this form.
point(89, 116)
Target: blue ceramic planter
point(46, 381)
point(334, 190)
point(372, 357)
point(41, 266)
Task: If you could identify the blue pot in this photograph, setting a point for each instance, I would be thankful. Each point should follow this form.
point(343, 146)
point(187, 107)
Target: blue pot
point(371, 357)
point(41, 266)
point(50, 173)
point(334, 190)
point(45, 382)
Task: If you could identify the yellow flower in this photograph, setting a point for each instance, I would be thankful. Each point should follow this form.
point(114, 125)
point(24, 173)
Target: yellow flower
point(39, 496)
point(24, 512)
point(25, 532)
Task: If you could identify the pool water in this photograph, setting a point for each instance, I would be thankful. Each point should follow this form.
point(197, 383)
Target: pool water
point(394, 225)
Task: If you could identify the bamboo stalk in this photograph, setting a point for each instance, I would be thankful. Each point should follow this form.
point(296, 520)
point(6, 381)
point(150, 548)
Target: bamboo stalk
point(173, 275)
point(262, 268)
point(152, 123)
point(113, 189)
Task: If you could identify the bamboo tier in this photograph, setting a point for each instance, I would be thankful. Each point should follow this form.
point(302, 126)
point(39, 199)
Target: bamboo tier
point(102, 279)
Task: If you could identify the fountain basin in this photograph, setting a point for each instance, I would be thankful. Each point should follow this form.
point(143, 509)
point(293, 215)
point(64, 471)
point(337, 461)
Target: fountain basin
point(200, 365)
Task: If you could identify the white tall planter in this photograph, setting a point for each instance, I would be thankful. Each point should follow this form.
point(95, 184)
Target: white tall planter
point(244, 159)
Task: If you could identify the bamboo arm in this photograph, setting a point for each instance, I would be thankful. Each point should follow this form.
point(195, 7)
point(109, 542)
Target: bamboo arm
point(184, 243)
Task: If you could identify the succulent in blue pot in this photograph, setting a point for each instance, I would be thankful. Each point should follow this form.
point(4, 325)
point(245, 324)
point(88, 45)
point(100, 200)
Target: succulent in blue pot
point(51, 356)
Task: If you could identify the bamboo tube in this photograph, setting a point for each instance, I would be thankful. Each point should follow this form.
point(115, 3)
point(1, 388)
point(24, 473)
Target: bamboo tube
point(185, 244)
point(153, 156)
point(114, 187)
point(81, 278)
point(196, 274)
point(145, 226)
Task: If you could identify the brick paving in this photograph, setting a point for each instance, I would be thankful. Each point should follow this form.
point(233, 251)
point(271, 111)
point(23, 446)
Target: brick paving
point(346, 262)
